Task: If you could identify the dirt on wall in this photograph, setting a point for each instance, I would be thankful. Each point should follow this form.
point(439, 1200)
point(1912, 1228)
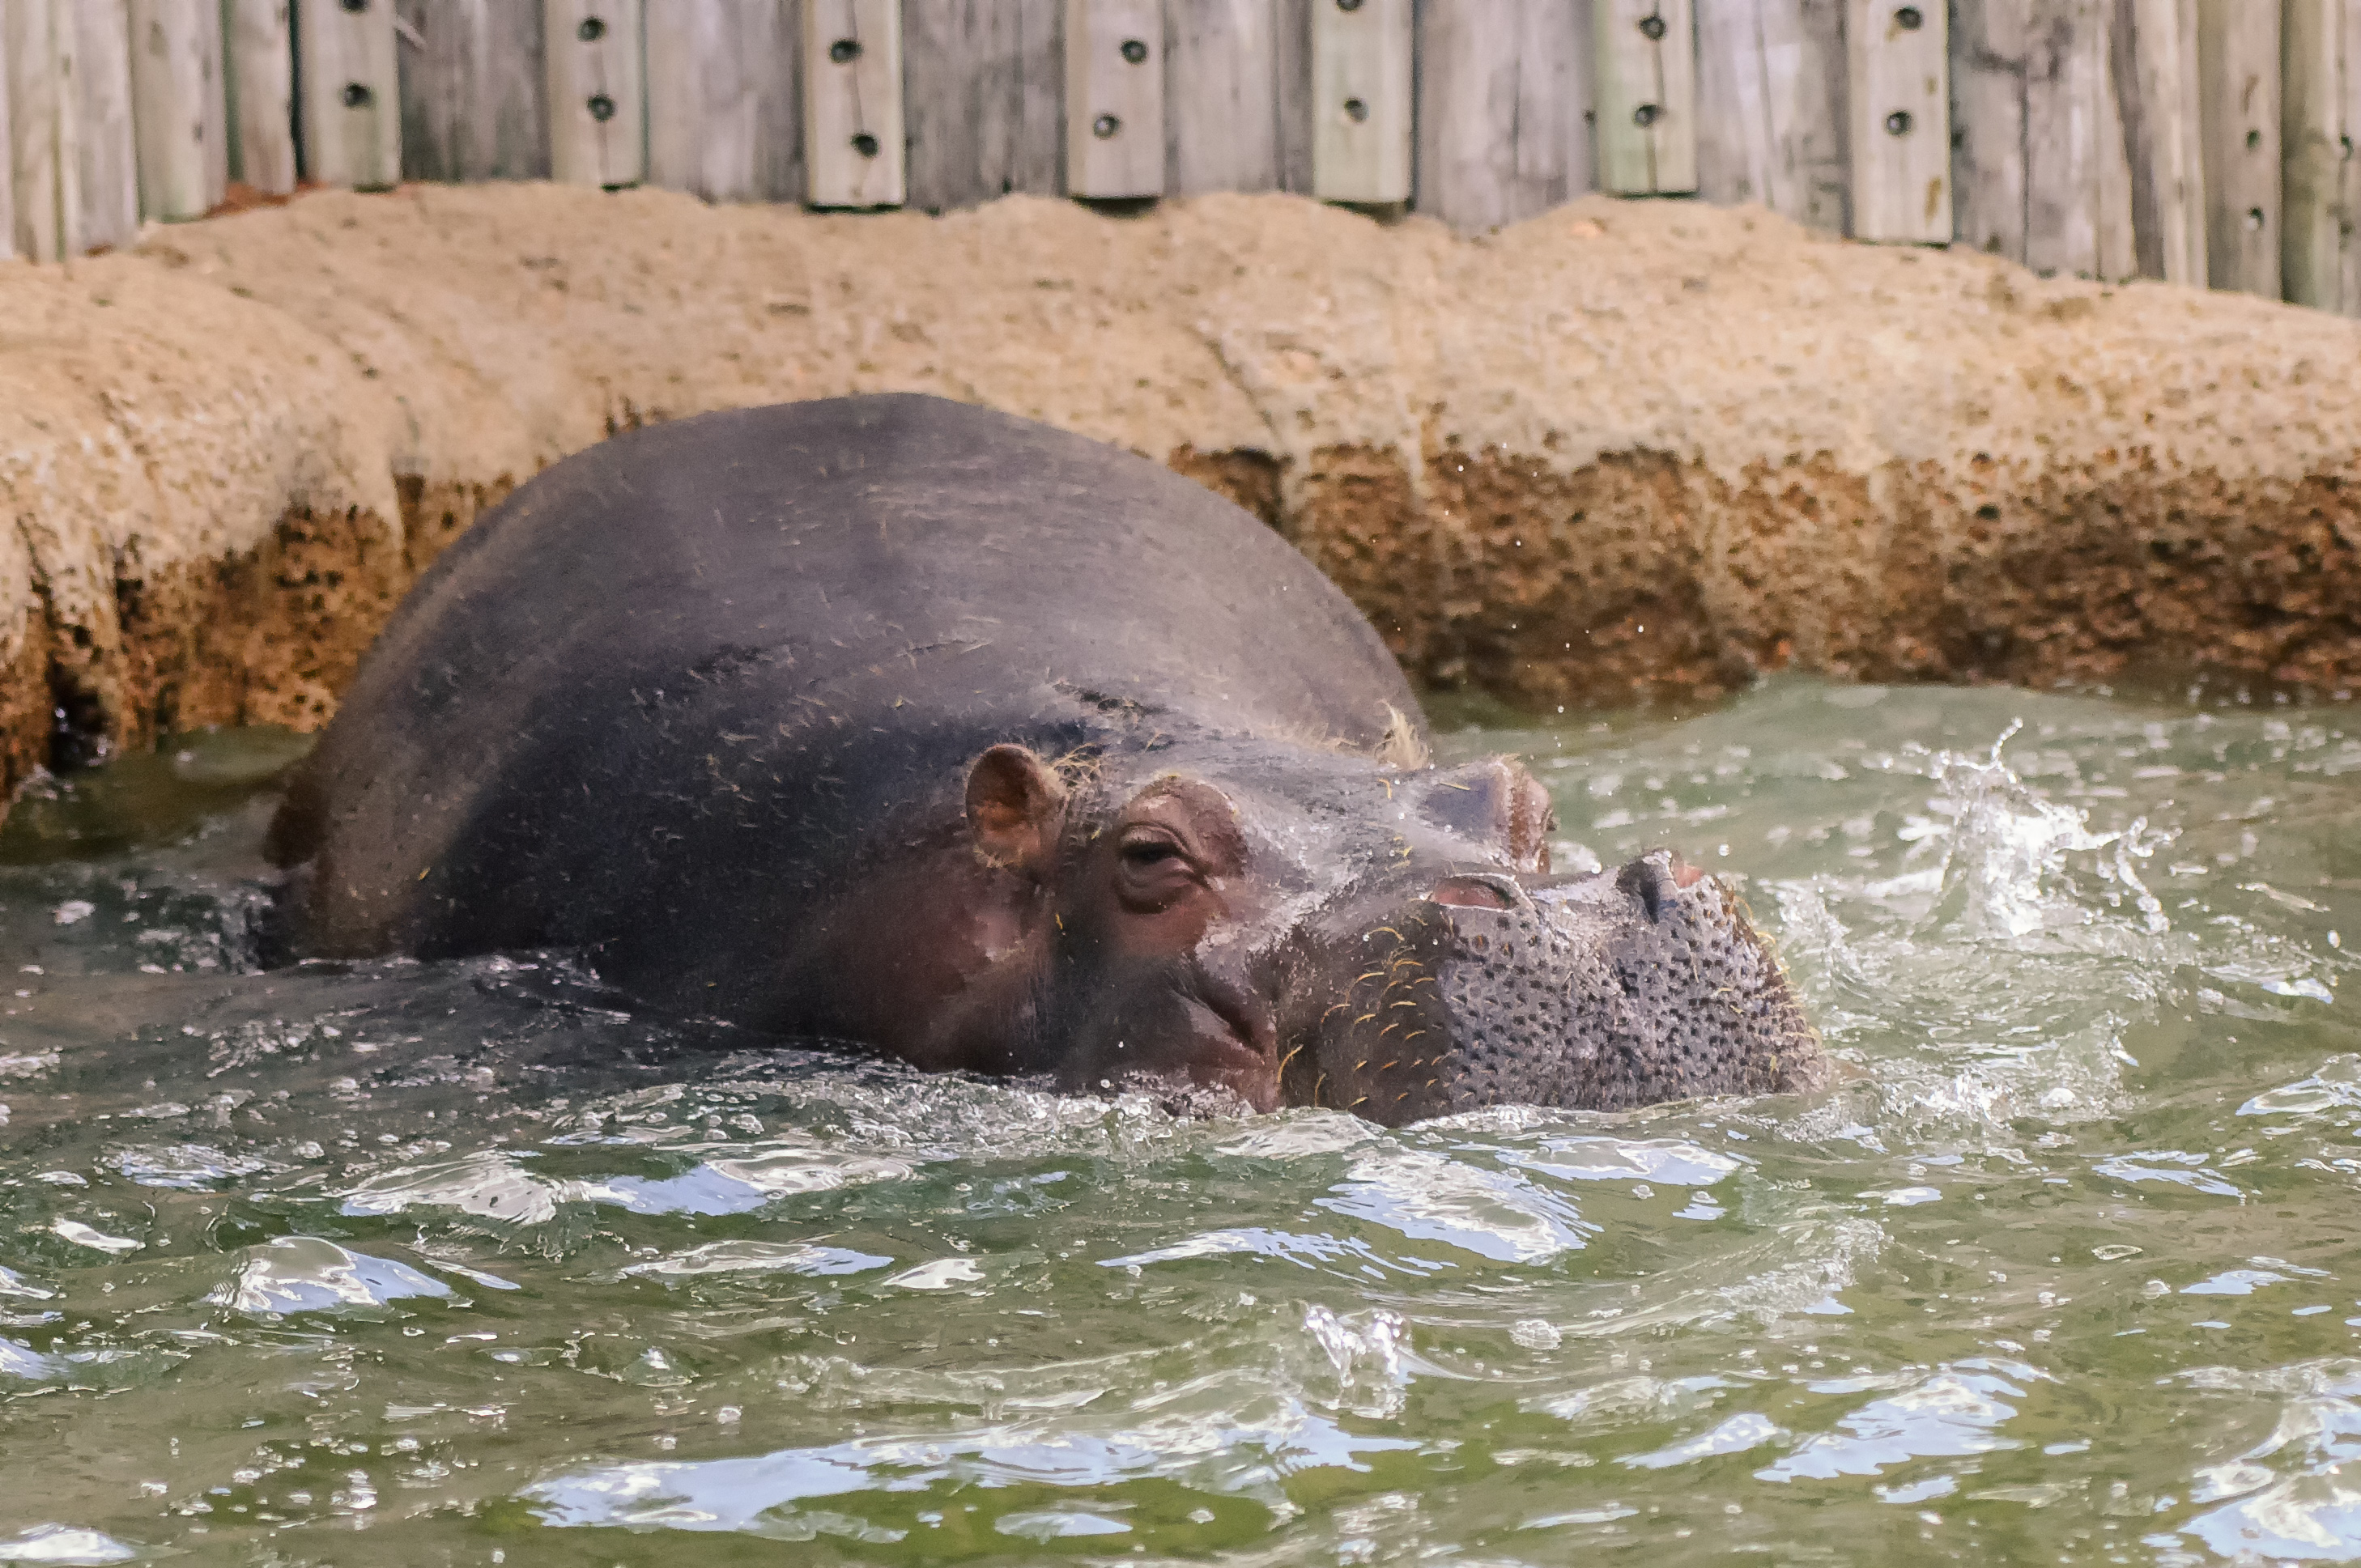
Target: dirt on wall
point(1624, 451)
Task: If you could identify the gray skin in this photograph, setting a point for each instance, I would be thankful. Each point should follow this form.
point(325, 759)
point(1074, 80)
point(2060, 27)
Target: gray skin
point(901, 723)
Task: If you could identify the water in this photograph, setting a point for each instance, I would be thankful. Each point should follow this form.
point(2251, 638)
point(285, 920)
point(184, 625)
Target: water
point(457, 1263)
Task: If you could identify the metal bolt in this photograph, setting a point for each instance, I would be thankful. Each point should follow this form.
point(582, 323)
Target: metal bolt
point(1652, 27)
point(1134, 50)
point(1105, 125)
point(844, 51)
point(2254, 219)
point(357, 95)
point(865, 145)
point(1646, 115)
point(1898, 123)
point(1910, 18)
point(1355, 111)
point(602, 108)
point(592, 29)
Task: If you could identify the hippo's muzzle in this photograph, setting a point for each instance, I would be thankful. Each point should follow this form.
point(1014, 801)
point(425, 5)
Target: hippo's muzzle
point(1602, 991)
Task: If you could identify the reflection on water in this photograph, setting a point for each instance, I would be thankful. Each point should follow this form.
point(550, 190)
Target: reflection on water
point(399, 1262)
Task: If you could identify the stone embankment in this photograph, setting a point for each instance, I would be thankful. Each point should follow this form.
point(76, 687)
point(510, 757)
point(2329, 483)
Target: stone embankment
point(1623, 450)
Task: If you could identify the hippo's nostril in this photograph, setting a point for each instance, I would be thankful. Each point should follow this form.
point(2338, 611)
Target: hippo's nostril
point(1473, 893)
point(1655, 877)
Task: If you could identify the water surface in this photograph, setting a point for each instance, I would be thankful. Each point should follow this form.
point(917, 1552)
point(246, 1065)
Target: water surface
point(401, 1263)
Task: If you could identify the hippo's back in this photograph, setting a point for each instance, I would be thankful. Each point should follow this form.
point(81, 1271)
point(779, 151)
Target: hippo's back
point(691, 674)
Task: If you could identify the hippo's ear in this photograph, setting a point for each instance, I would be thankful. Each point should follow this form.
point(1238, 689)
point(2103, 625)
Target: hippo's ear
point(1015, 808)
point(1502, 806)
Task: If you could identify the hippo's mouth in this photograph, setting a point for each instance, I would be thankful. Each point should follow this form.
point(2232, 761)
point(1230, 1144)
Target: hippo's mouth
point(1235, 1044)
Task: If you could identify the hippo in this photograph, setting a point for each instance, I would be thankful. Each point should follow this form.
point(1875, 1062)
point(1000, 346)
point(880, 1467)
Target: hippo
point(907, 726)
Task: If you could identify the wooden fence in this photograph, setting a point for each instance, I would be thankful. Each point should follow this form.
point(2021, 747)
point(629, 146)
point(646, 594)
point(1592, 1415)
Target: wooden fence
point(2194, 141)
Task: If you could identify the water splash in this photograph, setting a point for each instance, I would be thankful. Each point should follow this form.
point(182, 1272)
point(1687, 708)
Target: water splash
point(2003, 853)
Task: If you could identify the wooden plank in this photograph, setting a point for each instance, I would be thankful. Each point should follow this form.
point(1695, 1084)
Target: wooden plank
point(7, 162)
point(1114, 98)
point(1771, 107)
point(474, 104)
point(1988, 51)
point(259, 76)
point(347, 84)
point(177, 109)
point(2157, 46)
point(984, 90)
point(106, 140)
point(1898, 122)
point(2349, 169)
point(853, 146)
point(1361, 111)
point(2077, 195)
point(597, 106)
point(1644, 85)
point(2238, 73)
point(37, 39)
point(725, 114)
point(1293, 70)
point(1221, 95)
point(2311, 135)
point(1502, 99)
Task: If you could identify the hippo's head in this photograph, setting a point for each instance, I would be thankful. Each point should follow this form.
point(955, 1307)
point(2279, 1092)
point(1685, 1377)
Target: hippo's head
point(1303, 927)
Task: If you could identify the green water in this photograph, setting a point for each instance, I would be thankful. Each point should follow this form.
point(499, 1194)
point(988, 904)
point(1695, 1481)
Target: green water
point(456, 1263)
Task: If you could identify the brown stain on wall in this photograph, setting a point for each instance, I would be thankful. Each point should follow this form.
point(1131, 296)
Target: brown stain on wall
point(1637, 578)
point(1632, 579)
point(270, 635)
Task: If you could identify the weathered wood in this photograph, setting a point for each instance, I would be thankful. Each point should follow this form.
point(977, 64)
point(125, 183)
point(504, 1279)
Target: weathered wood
point(1771, 116)
point(473, 99)
point(598, 105)
point(8, 163)
point(854, 142)
point(2310, 134)
point(1987, 61)
point(2238, 75)
point(259, 82)
point(1222, 98)
point(1898, 122)
point(1361, 101)
point(347, 84)
point(2349, 168)
point(1502, 94)
point(1114, 98)
point(2154, 64)
point(984, 90)
point(177, 109)
point(37, 38)
point(725, 117)
point(1644, 62)
point(2077, 179)
point(106, 140)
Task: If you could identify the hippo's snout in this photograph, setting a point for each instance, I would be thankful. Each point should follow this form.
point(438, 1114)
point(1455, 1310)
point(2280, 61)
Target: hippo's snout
point(1603, 992)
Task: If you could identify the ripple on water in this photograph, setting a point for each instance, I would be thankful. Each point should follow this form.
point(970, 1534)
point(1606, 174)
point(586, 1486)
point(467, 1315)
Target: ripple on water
point(305, 1274)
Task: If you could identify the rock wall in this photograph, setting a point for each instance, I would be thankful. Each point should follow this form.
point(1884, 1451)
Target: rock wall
point(1625, 451)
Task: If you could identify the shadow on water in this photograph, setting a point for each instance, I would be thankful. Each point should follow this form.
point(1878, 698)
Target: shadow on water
point(400, 1261)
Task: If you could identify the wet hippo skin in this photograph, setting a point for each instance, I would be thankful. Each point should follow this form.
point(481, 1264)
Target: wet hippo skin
point(898, 722)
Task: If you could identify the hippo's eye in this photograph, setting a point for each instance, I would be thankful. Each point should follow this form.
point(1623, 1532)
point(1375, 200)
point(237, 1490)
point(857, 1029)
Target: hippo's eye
point(1471, 893)
point(1152, 871)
